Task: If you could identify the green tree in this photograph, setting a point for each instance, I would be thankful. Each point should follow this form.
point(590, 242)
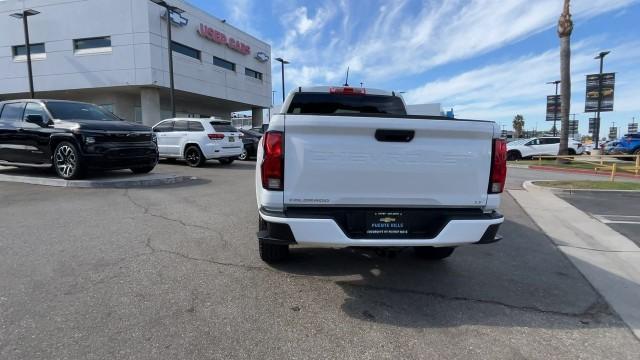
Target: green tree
point(518, 125)
point(565, 28)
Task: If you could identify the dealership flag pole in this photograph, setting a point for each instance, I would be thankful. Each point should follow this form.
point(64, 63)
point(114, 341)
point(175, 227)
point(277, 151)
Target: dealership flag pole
point(283, 62)
point(28, 46)
point(171, 82)
point(597, 134)
point(24, 15)
point(170, 9)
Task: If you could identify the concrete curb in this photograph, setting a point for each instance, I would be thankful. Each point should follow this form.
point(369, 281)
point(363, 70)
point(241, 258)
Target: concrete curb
point(530, 185)
point(516, 166)
point(607, 259)
point(581, 172)
point(139, 181)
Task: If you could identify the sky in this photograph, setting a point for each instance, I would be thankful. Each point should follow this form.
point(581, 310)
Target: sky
point(486, 59)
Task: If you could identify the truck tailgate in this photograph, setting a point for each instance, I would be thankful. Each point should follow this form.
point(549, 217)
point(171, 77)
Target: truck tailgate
point(338, 161)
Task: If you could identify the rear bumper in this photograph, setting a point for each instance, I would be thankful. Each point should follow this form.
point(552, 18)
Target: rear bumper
point(218, 151)
point(326, 232)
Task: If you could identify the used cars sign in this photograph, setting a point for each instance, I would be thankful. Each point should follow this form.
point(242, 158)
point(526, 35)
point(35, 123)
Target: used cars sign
point(220, 38)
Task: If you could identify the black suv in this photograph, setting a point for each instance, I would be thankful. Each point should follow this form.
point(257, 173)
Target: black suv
point(72, 137)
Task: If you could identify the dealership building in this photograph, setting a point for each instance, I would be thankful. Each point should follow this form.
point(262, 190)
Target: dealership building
point(114, 53)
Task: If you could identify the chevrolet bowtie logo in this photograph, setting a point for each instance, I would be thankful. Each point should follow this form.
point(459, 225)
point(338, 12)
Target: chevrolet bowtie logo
point(177, 19)
point(387, 219)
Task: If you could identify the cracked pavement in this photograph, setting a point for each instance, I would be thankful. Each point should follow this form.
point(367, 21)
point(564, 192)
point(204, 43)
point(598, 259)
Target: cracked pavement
point(173, 272)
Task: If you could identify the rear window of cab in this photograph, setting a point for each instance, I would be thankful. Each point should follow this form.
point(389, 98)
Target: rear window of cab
point(345, 104)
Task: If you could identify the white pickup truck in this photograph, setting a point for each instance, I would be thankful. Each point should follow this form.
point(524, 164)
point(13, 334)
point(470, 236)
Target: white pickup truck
point(347, 167)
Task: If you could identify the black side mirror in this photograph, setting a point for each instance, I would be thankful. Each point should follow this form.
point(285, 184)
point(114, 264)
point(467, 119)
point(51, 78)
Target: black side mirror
point(35, 119)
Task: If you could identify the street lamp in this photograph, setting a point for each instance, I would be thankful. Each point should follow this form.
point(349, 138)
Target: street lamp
point(597, 129)
point(555, 106)
point(283, 62)
point(24, 15)
point(177, 10)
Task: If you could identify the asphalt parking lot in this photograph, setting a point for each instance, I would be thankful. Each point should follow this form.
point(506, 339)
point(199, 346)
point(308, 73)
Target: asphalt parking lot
point(619, 210)
point(172, 272)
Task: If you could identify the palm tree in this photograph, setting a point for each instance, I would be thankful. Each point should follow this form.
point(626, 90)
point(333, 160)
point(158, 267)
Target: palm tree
point(518, 125)
point(565, 27)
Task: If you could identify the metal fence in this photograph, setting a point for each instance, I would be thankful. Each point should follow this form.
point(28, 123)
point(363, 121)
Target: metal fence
point(602, 163)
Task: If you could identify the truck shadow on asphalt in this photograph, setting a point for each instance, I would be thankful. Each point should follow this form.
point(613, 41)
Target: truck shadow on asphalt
point(522, 281)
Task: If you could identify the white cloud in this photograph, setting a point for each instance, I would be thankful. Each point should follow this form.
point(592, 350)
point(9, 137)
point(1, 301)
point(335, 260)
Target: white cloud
point(303, 24)
point(499, 91)
point(400, 40)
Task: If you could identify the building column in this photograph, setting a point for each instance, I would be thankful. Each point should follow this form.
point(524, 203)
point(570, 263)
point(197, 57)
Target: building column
point(256, 117)
point(150, 105)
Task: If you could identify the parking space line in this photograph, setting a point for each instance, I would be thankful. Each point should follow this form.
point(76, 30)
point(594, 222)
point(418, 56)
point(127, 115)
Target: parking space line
point(618, 219)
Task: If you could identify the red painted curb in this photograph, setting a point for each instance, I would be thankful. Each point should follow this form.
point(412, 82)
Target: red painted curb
point(581, 171)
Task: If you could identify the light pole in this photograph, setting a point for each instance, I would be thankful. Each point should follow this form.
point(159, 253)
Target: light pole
point(177, 10)
point(24, 15)
point(282, 62)
point(555, 106)
point(597, 129)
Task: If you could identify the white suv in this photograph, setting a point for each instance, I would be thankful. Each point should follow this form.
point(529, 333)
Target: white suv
point(198, 140)
point(526, 148)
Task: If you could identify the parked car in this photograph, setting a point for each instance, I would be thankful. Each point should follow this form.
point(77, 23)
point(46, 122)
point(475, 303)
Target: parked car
point(72, 137)
point(250, 140)
point(548, 145)
point(347, 167)
point(261, 129)
point(198, 140)
point(607, 147)
point(627, 145)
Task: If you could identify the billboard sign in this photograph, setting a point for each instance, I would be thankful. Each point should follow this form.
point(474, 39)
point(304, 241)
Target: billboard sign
point(592, 125)
point(633, 128)
point(573, 126)
point(613, 133)
point(593, 95)
point(554, 108)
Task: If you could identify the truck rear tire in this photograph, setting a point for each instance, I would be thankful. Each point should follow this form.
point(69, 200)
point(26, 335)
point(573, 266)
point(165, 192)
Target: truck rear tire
point(433, 253)
point(273, 253)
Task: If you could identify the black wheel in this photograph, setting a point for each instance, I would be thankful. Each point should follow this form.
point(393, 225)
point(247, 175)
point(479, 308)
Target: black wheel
point(142, 170)
point(433, 253)
point(226, 161)
point(67, 161)
point(244, 156)
point(513, 155)
point(194, 156)
point(571, 152)
point(271, 253)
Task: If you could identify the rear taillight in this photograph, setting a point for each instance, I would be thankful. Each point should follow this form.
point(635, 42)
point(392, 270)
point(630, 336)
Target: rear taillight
point(215, 136)
point(498, 166)
point(347, 91)
point(273, 161)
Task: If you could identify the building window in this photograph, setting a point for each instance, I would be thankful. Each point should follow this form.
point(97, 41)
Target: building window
point(92, 45)
point(37, 52)
point(185, 50)
point(224, 63)
point(252, 73)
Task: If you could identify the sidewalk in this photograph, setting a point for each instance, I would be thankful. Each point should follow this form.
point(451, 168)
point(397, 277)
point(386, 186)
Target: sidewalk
point(609, 260)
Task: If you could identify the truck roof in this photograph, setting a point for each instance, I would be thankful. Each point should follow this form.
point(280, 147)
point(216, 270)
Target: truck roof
point(327, 89)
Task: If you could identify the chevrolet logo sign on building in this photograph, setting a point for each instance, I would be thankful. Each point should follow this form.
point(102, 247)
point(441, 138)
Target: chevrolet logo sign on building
point(177, 19)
